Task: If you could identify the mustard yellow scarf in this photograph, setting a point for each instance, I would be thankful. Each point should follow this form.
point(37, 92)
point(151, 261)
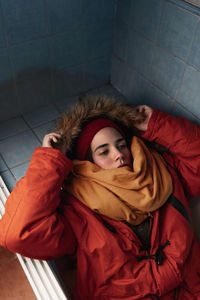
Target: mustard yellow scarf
point(123, 193)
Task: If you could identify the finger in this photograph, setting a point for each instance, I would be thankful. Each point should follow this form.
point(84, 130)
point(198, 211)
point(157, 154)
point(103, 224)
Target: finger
point(53, 134)
point(54, 139)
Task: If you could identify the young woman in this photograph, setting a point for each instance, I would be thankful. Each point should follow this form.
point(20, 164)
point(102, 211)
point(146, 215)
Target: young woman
point(108, 197)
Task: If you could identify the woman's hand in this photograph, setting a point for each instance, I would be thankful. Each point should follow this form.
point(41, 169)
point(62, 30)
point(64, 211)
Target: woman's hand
point(146, 112)
point(49, 138)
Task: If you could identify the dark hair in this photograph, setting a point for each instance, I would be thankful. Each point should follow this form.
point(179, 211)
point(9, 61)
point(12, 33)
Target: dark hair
point(89, 155)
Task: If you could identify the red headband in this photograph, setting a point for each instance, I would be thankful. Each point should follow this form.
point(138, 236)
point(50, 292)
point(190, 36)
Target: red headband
point(89, 132)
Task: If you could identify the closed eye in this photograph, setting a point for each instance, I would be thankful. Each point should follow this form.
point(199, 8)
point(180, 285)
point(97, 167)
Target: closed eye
point(105, 152)
point(122, 146)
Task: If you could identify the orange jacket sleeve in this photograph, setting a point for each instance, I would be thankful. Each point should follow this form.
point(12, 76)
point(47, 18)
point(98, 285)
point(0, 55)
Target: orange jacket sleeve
point(32, 225)
point(182, 138)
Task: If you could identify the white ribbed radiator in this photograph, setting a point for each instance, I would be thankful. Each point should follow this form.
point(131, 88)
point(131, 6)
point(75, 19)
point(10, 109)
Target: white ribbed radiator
point(40, 275)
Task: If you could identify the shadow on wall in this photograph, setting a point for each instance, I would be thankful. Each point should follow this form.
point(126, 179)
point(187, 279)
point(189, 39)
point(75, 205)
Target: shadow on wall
point(30, 89)
point(33, 88)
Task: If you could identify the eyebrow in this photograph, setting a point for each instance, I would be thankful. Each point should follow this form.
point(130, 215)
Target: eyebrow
point(104, 145)
point(100, 146)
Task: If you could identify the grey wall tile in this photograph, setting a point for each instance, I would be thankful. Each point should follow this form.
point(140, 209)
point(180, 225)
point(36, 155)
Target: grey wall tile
point(5, 69)
point(68, 82)
point(3, 166)
point(120, 39)
point(180, 111)
point(25, 20)
point(190, 91)
point(12, 127)
point(98, 40)
point(63, 105)
point(124, 10)
point(145, 16)
point(9, 102)
point(118, 72)
point(139, 52)
point(42, 115)
point(30, 58)
point(194, 57)
point(65, 49)
point(157, 99)
point(134, 86)
point(44, 129)
point(129, 82)
point(96, 73)
point(138, 90)
point(166, 71)
point(97, 11)
point(20, 171)
point(108, 90)
point(2, 31)
point(63, 15)
point(18, 149)
point(176, 30)
point(35, 93)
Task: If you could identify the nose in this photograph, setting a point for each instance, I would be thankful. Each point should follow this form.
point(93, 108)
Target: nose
point(117, 154)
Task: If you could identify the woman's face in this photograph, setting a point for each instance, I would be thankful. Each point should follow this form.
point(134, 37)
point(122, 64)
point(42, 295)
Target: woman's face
point(109, 149)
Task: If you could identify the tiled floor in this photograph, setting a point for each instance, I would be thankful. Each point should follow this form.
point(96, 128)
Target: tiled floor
point(13, 281)
point(20, 136)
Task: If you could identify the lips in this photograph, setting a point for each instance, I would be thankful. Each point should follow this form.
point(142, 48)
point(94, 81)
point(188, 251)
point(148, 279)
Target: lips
point(124, 165)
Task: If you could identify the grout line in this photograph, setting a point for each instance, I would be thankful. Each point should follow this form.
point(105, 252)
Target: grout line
point(185, 108)
point(29, 127)
point(159, 46)
point(18, 165)
point(154, 85)
point(12, 175)
point(142, 75)
point(49, 49)
point(186, 61)
point(51, 35)
point(14, 134)
point(15, 166)
point(32, 129)
point(192, 41)
point(46, 16)
point(185, 6)
point(2, 158)
point(156, 37)
point(14, 84)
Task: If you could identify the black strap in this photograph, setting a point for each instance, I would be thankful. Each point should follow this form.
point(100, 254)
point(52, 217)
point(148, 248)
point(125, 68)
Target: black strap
point(108, 226)
point(181, 208)
point(158, 256)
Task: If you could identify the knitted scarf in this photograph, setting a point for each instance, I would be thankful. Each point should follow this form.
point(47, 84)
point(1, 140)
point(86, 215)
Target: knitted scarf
point(123, 193)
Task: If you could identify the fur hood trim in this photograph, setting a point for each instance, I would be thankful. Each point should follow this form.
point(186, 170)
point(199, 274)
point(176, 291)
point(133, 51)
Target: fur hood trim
point(89, 108)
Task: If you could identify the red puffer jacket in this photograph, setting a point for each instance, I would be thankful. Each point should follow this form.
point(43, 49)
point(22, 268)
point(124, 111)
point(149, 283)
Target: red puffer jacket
point(43, 222)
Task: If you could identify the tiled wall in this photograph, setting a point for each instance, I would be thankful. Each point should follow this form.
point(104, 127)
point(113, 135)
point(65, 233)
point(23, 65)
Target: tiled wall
point(50, 50)
point(156, 56)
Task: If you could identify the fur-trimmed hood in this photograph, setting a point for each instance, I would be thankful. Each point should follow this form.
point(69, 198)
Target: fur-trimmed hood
point(88, 108)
